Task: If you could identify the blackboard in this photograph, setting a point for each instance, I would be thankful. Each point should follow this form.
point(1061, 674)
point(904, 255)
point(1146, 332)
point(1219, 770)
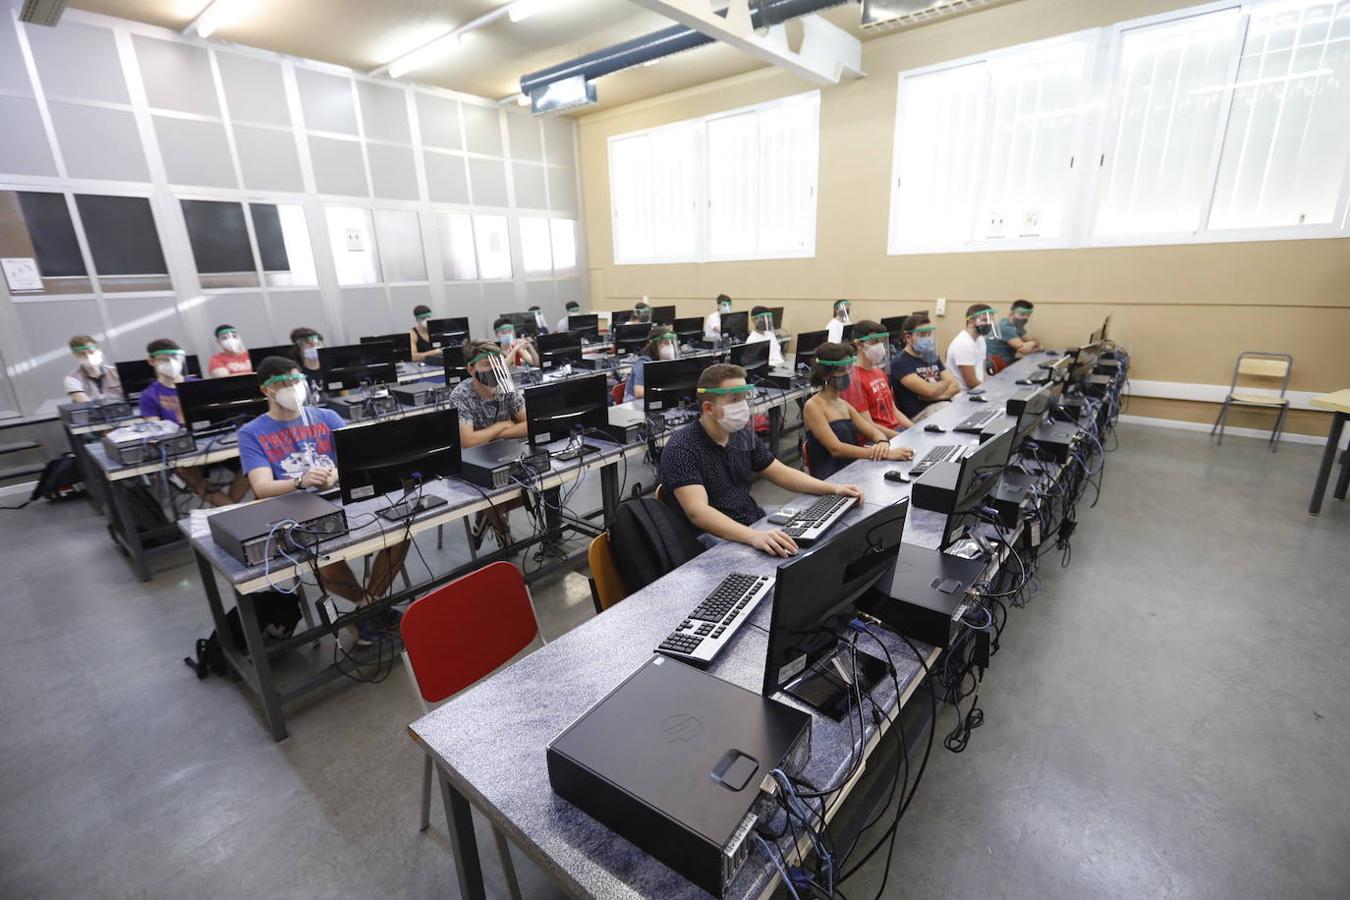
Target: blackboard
point(52, 234)
point(271, 240)
point(121, 234)
point(218, 236)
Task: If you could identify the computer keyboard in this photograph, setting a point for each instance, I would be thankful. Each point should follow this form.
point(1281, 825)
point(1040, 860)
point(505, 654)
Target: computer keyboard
point(809, 524)
point(939, 454)
point(712, 624)
point(976, 423)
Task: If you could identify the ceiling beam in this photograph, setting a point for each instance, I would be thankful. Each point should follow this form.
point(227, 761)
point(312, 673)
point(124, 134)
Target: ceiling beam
point(827, 52)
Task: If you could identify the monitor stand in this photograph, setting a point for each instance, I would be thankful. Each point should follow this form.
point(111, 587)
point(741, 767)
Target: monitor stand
point(412, 507)
point(577, 451)
point(827, 686)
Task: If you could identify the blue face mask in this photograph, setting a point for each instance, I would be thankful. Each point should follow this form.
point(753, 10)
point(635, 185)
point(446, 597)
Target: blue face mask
point(925, 348)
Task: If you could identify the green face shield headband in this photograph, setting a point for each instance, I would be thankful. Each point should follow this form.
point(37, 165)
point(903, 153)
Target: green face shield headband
point(838, 363)
point(482, 356)
point(169, 353)
point(84, 348)
point(226, 332)
point(875, 336)
point(987, 311)
point(422, 317)
point(735, 389)
point(287, 378)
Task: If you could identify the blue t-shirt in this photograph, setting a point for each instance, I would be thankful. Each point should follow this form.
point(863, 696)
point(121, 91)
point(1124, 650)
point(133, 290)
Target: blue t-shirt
point(636, 377)
point(906, 363)
point(160, 402)
point(996, 342)
point(290, 448)
point(691, 457)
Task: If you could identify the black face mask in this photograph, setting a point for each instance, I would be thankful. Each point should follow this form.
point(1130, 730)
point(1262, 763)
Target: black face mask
point(842, 382)
point(984, 329)
point(486, 379)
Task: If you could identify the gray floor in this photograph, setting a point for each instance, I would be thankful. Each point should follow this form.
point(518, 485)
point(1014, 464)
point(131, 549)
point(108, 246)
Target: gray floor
point(1169, 717)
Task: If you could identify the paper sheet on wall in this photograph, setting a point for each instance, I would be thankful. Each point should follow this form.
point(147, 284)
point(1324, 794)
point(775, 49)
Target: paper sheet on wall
point(21, 273)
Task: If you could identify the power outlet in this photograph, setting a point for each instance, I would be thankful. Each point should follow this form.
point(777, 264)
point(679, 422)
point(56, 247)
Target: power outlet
point(940, 307)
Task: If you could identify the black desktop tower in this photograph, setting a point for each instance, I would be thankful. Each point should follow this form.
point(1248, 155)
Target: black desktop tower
point(923, 595)
point(253, 533)
point(357, 408)
point(935, 489)
point(420, 393)
point(673, 760)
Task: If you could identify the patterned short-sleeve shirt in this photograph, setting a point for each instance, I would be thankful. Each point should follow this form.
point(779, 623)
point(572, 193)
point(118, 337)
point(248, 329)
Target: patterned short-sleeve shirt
point(482, 413)
point(692, 457)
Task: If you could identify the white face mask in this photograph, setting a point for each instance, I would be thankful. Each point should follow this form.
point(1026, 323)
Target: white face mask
point(667, 350)
point(92, 361)
point(293, 397)
point(170, 367)
point(724, 308)
point(876, 353)
point(735, 416)
point(311, 353)
point(232, 345)
point(506, 338)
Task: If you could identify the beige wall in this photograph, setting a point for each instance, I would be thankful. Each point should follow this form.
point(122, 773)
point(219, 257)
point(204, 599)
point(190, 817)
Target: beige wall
point(1186, 311)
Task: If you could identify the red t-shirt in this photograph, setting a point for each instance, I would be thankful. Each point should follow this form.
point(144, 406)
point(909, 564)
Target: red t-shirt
point(870, 392)
point(236, 363)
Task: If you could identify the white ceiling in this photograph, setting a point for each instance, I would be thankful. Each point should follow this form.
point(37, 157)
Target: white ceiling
point(365, 34)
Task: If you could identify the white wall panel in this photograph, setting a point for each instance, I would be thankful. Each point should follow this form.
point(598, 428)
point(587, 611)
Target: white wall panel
point(254, 89)
point(327, 101)
point(99, 143)
point(338, 167)
point(78, 61)
point(195, 152)
point(23, 149)
point(268, 159)
point(176, 75)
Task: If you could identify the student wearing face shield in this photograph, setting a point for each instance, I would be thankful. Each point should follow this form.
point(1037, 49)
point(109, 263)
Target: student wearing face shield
point(869, 388)
point(966, 354)
point(573, 309)
point(93, 378)
point(232, 359)
point(289, 448)
point(835, 329)
point(836, 432)
point(419, 337)
point(490, 408)
point(642, 312)
point(1009, 341)
point(307, 343)
point(712, 323)
point(662, 344)
point(921, 383)
point(518, 351)
point(540, 324)
point(762, 329)
point(707, 465)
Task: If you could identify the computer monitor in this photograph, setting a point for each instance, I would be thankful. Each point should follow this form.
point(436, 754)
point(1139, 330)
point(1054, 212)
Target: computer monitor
point(980, 473)
point(356, 365)
point(663, 315)
point(631, 337)
point(588, 326)
point(525, 323)
point(619, 317)
point(669, 382)
point(448, 332)
point(402, 344)
point(216, 403)
point(807, 342)
point(895, 327)
point(559, 349)
point(257, 354)
point(735, 326)
point(777, 316)
point(136, 374)
point(397, 455)
point(848, 333)
point(452, 359)
point(815, 598)
point(689, 329)
point(555, 410)
point(753, 358)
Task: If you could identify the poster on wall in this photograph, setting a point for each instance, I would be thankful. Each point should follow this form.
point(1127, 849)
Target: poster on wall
point(21, 273)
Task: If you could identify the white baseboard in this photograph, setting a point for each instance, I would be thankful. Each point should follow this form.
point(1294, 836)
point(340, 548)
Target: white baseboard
point(1288, 436)
point(1212, 393)
point(25, 488)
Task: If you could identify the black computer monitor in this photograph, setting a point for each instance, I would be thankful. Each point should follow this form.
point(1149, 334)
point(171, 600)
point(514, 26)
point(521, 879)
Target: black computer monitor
point(848, 333)
point(397, 454)
point(980, 473)
point(666, 383)
point(815, 598)
point(257, 354)
point(807, 342)
point(356, 365)
point(752, 357)
point(559, 349)
point(217, 403)
point(663, 315)
point(525, 323)
point(735, 326)
point(448, 332)
point(619, 317)
point(452, 358)
point(689, 329)
point(895, 327)
point(557, 409)
point(401, 342)
point(136, 374)
point(632, 337)
point(587, 325)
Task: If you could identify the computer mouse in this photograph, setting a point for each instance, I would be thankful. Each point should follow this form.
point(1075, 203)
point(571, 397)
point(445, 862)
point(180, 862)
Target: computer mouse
point(1024, 381)
point(976, 398)
point(934, 429)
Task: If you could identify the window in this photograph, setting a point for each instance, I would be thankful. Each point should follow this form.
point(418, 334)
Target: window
point(352, 237)
point(457, 256)
point(1208, 124)
point(283, 244)
point(494, 247)
point(124, 243)
point(564, 234)
point(738, 185)
point(224, 256)
point(399, 235)
point(536, 256)
point(35, 228)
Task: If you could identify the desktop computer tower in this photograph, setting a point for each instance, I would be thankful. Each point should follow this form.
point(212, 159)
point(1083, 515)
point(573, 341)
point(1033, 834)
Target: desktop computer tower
point(251, 533)
point(356, 408)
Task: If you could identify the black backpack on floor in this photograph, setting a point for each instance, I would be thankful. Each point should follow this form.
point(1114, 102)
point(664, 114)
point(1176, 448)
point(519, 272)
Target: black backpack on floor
point(647, 539)
point(60, 480)
point(278, 614)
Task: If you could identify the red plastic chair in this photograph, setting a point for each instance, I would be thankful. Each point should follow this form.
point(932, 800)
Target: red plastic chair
point(458, 634)
point(616, 392)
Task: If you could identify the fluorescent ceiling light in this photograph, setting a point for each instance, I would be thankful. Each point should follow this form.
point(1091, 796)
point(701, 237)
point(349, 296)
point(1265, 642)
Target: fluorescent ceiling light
point(425, 55)
point(523, 9)
point(1257, 82)
point(216, 15)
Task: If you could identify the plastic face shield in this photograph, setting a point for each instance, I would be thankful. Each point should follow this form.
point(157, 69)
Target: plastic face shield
point(983, 317)
point(497, 365)
point(668, 344)
point(747, 392)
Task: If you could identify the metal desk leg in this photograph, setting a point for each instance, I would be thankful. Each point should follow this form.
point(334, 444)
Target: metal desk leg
point(609, 490)
point(94, 488)
point(1343, 483)
point(775, 430)
point(1328, 459)
point(262, 666)
point(459, 819)
point(124, 523)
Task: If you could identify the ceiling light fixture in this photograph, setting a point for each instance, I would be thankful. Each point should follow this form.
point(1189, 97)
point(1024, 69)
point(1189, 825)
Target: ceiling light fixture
point(427, 53)
point(214, 16)
point(523, 9)
point(430, 52)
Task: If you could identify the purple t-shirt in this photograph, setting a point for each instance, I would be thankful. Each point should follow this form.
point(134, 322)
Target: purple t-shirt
point(160, 402)
point(290, 448)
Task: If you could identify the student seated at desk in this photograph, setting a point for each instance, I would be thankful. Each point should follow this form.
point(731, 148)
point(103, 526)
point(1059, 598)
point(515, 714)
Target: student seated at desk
point(761, 320)
point(834, 329)
point(540, 324)
point(1009, 341)
point(93, 379)
point(419, 338)
point(518, 351)
point(642, 313)
point(159, 400)
point(232, 359)
point(707, 465)
point(290, 448)
point(490, 409)
point(662, 343)
point(966, 354)
point(307, 343)
point(712, 323)
point(573, 309)
point(922, 384)
point(869, 388)
point(836, 432)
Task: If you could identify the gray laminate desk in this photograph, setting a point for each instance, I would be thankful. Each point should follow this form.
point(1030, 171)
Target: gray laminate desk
point(488, 742)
